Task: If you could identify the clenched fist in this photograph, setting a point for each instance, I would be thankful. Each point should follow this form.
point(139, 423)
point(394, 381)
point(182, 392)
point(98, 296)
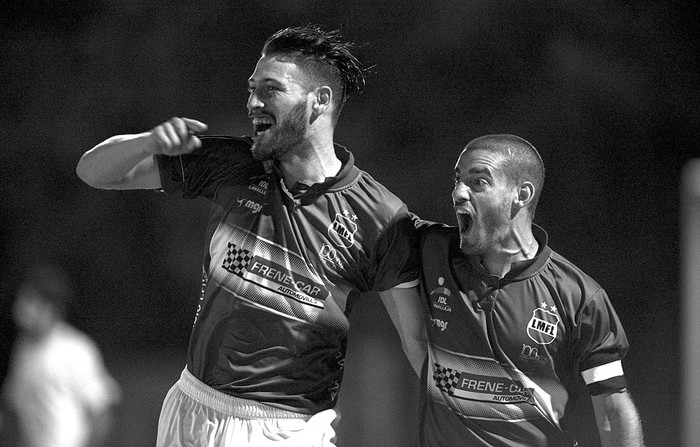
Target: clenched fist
point(176, 136)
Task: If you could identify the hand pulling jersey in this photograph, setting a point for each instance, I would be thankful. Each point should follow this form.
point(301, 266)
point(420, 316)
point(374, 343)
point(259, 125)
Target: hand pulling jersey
point(504, 353)
point(282, 268)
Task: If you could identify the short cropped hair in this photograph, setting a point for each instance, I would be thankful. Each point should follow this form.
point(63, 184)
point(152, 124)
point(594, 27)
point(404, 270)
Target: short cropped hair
point(521, 161)
point(323, 53)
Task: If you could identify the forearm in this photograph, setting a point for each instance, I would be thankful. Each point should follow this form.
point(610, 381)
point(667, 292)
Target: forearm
point(625, 431)
point(416, 351)
point(403, 306)
point(115, 160)
point(618, 421)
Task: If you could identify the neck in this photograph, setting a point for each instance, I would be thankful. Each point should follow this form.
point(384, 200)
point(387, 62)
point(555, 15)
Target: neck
point(521, 245)
point(311, 165)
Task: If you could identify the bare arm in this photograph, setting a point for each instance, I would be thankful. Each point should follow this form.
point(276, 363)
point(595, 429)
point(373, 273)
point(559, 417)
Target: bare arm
point(618, 421)
point(127, 162)
point(403, 306)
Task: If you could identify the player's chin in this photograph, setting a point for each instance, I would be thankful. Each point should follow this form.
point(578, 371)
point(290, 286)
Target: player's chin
point(259, 149)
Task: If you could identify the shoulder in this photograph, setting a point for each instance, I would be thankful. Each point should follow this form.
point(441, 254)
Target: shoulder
point(73, 338)
point(572, 271)
point(370, 195)
point(435, 232)
point(575, 287)
point(236, 148)
point(216, 150)
point(69, 346)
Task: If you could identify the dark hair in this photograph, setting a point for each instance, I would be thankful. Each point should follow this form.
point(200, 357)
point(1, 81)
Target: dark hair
point(324, 53)
point(521, 161)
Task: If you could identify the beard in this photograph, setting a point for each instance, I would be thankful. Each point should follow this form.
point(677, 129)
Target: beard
point(487, 232)
point(284, 138)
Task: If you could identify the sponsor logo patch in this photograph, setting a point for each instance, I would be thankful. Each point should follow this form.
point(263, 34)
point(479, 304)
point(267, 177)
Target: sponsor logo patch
point(274, 276)
point(439, 297)
point(477, 387)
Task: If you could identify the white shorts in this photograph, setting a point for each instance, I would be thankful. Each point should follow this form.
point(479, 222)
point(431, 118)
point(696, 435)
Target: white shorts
point(195, 415)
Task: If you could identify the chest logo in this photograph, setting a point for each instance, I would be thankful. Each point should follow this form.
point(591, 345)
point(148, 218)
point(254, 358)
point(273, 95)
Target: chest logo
point(261, 187)
point(542, 327)
point(255, 207)
point(342, 231)
point(275, 277)
point(440, 295)
point(330, 255)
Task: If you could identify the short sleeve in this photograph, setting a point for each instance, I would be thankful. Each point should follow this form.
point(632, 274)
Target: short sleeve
point(396, 255)
point(199, 174)
point(603, 344)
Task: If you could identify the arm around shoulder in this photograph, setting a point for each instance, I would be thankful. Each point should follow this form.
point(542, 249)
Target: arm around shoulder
point(618, 421)
point(403, 307)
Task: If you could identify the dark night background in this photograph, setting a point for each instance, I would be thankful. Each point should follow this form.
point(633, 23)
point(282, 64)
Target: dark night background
point(606, 90)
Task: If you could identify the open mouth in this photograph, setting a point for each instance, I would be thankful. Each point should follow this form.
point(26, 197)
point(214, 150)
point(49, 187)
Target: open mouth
point(261, 124)
point(464, 220)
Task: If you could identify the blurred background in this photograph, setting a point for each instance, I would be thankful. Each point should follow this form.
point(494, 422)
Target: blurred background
point(606, 90)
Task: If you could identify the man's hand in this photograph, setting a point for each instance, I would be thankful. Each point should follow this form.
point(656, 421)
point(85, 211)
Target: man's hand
point(176, 136)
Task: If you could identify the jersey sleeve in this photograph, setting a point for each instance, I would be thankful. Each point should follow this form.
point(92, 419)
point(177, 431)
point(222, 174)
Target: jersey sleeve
point(396, 258)
point(200, 173)
point(604, 345)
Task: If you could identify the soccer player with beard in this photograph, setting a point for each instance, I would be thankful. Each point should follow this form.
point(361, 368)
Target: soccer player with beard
point(512, 324)
point(297, 233)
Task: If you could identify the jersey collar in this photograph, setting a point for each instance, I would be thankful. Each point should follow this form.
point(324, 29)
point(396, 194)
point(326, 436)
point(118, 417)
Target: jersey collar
point(522, 269)
point(303, 194)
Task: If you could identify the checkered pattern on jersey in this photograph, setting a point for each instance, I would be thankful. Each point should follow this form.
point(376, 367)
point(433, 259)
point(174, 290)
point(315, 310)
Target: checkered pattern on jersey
point(445, 378)
point(236, 260)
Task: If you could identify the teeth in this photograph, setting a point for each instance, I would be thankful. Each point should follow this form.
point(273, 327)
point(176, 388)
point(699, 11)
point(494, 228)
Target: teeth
point(257, 121)
point(261, 124)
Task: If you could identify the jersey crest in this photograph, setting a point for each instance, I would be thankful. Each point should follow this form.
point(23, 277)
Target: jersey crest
point(342, 231)
point(542, 327)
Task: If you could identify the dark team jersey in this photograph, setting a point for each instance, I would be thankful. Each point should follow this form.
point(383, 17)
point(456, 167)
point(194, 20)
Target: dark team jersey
point(505, 353)
point(282, 269)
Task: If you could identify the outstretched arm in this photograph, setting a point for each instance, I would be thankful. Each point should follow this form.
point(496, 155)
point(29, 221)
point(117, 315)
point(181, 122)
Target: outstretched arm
point(617, 419)
point(126, 161)
point(403, 306)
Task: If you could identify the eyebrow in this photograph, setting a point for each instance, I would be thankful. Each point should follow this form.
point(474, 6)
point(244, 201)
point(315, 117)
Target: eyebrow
point(475, 171)
point(479, 171)
point(264, 80)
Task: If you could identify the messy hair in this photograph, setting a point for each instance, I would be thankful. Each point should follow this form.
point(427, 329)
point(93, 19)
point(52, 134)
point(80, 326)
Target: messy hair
point(324, 54)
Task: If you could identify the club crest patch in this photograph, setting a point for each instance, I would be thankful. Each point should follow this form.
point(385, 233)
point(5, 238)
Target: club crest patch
point(342, 231)
point(542, 327)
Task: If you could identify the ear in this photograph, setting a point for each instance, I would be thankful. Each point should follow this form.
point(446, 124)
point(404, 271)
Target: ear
point(322, 100)
point(526, 192)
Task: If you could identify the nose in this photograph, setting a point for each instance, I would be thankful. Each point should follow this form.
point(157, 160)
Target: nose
point(460, 193)
point(253, 101)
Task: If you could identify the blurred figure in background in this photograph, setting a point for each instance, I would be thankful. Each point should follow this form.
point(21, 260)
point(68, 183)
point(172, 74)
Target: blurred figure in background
point(57, 392)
